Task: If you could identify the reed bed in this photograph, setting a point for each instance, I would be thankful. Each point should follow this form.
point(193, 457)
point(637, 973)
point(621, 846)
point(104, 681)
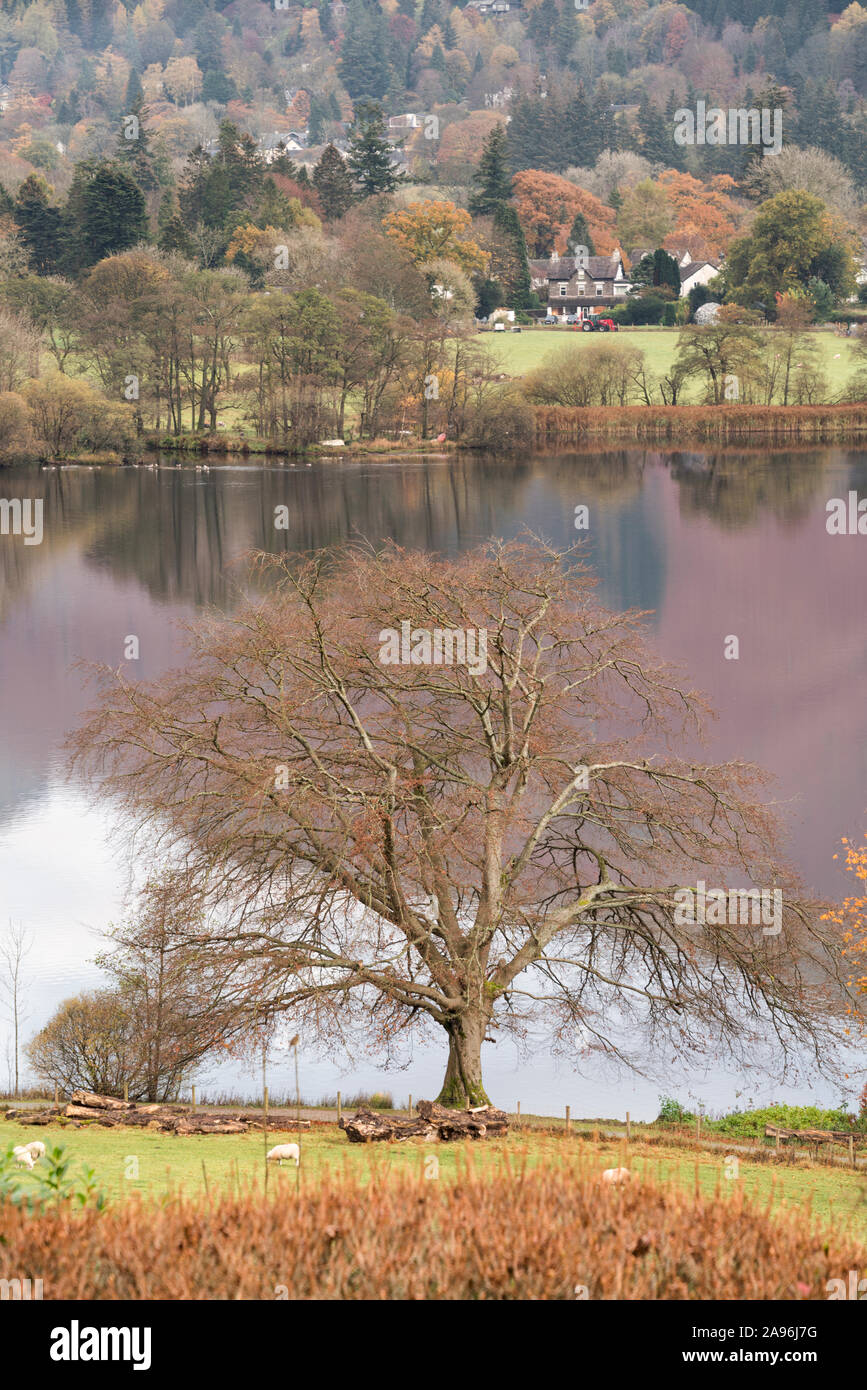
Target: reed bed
point(699, 424)
point(545, 1233)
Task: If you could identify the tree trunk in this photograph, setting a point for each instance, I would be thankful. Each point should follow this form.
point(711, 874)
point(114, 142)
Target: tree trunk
point(462, 1085)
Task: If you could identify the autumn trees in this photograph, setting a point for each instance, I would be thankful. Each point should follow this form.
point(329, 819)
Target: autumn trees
point(384, 850)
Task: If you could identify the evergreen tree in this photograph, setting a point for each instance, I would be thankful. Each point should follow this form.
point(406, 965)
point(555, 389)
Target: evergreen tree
point(655, 134)
point(133, 147)
point(579, 234)
point(134, 93)
point(363, 67)
point(333, 183)
point(107, 212)
point(173, 237)
point(370, 154)
point(218, 87)
point(40, 224)
point(320, 112)
point(516, 283)
point(492, 182)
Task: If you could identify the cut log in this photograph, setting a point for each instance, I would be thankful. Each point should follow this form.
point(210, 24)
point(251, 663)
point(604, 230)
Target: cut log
point(478, 1123)
point(83, 1112)
point(369, 1126)
point(433, 1122)
point(95, 1102)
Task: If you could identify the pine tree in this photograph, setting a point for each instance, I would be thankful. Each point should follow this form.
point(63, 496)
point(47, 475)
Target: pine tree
point(333, 183)
point(492, 180)
point(363, 67)
point(107, 212)
point(133, 146)
point(40, 224)
point(579, 234)
point(516, 283)
point(134, 93)
point(370, 154)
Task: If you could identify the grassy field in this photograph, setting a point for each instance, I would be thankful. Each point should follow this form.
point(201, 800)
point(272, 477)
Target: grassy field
point(519, 353)
point(155, 1165)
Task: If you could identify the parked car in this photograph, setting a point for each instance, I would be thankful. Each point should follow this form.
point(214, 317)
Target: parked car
point(573, 318)
point(598, 325)
point(550, 321)
point(499, 328)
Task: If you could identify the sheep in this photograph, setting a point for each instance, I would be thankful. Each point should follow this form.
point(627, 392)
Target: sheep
point(615, 1176)
point(36, 1147)
point(281, 1151)
point(23, 1158)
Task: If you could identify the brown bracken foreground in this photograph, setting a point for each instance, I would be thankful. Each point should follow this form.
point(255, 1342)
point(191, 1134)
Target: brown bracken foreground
point(544, 1234)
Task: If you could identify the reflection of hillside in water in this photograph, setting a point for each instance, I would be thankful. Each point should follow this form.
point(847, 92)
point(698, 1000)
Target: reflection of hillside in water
point(736, 489)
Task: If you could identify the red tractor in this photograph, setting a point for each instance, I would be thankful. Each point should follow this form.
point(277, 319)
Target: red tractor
point(595, 324)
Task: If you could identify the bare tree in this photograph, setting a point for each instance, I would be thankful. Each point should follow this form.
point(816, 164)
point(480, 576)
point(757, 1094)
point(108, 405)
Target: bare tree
point(387, 845)
point(13, 950)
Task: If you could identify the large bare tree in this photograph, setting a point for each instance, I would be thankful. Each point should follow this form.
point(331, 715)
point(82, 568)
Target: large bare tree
point(386, 846)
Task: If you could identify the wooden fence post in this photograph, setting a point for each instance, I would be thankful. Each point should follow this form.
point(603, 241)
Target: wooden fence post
point(627, 1127)
point(567, 1119)
point(409, 1107)
point(56, 1096)
point(698, 1126)
point(339, 1109)
point(518, 1115)
point(193, 1089)
point(126, 1090)
point(852, 1159)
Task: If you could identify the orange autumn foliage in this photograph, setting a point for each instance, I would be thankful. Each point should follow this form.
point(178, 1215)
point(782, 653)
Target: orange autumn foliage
point(851, 917)
point(707, 218)
point(547, 205)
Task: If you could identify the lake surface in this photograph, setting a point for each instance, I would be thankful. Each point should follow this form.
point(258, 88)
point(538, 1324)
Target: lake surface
point(715, 543)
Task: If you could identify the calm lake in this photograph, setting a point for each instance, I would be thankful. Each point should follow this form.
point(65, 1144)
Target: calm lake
point(715, 543)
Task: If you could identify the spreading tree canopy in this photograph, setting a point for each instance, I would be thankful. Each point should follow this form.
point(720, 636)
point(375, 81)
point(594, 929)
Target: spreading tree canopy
point(486, 848)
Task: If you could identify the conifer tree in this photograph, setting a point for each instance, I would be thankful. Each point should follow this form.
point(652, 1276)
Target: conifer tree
point(492, 180)
point(333, 183)
point(370, 154)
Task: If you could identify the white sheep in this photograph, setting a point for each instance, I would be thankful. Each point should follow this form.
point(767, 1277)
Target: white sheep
point(36, 1147)
point(615, 1176)
point(281, 1151)
point(23, 1157)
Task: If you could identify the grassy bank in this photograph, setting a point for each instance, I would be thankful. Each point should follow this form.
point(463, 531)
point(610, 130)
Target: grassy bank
point(516, 354)
point(141, 1164)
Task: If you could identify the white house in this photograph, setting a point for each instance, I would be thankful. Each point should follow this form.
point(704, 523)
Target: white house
point(696, 273)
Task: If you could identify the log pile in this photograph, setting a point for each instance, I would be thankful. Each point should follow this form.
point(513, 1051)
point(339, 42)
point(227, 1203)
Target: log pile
point(434, 1122)
point(84, 1107)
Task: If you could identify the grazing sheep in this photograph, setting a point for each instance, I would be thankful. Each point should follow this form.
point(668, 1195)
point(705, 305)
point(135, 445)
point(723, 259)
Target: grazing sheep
point(23, 1158)
point(615, 1176)
point(36, 1147)
point(281, 1151)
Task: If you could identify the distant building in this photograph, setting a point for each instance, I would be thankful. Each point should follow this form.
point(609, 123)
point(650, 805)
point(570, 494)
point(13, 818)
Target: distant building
point(694, 273)
point(409, 120)
point(281, 142)
point(490, 6)
point(573, 286)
